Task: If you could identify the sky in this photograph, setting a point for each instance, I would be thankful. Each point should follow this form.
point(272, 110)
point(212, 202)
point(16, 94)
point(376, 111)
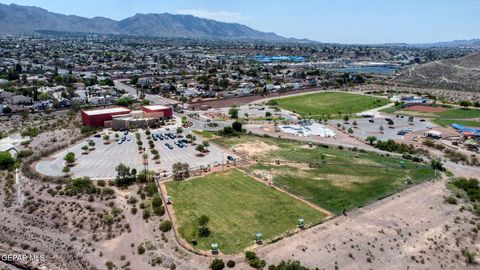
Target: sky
point(339, 21)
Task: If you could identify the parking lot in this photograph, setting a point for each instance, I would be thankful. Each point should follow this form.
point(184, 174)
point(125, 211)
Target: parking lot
point(365, 128)
point(255, 111)
point(101, 162)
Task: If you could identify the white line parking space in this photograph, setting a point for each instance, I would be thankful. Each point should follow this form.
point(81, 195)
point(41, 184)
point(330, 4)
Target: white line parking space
point(101, 162)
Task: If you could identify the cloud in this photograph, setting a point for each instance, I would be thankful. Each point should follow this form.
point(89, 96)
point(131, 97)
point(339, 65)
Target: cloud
point(220, 15)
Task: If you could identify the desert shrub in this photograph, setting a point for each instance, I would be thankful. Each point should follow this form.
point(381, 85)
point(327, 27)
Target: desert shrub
point(166, 226)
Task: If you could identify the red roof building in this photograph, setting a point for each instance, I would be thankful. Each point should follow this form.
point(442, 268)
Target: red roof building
point(98, 117)
point(158, 111)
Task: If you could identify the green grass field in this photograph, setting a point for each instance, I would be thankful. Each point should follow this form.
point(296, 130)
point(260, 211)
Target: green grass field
point(206, 134)
point(238, 207)
point(329, 104)
point(342, 179)
point(464, 117)
point(447, 122)
point(460, 114)
point(449, 114)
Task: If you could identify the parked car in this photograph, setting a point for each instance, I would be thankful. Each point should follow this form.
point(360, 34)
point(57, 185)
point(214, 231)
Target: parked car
point(230, 158)
point(97, 135)
point(169, 146)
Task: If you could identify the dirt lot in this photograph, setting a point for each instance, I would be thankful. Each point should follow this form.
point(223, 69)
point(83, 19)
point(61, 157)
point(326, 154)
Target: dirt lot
point(426, 109)
point(253, 148)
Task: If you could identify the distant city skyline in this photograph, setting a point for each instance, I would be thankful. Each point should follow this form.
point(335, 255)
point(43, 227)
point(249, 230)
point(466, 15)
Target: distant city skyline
point(343, 21)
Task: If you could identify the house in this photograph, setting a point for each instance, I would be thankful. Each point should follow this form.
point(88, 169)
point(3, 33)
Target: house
point(42, 105)
point(20, 99)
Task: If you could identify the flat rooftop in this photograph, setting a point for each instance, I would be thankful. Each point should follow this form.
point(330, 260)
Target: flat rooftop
point(107, 111)
point(155, 107)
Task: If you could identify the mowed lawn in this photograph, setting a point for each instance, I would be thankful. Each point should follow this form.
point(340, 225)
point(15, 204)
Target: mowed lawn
point(460, 114)
point(339, 179)
point(448, 122)
point(329, 104)
point(238, 207)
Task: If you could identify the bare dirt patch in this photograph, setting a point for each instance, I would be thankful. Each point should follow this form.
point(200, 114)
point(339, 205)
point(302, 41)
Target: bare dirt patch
point(426, 109)
point(254, 148)
point(341, 180)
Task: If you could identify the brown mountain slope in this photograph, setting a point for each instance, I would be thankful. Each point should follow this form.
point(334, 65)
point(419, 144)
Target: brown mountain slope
point(458, 73)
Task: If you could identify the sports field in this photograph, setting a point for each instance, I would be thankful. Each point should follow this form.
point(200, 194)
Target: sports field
point(441, 116)
point(238, 207)
point(447, 122)
point(435, 112)
point(329, 104)
point(332, 178)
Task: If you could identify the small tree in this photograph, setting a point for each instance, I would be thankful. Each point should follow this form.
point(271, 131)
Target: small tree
point(390, 122)
point(179, 130)
point(203, 229)
point(350, 130)
point(6, 160)
point(371, 139)
point(166, 226)
point(465, 104)
point(217, 264)
point(233, 112)
point(205, 144)
point(200, 148)
point(69, 157)
point(355, 123)
point(237, 126)
point(66, 170)
point(91, 144)
point(85, 148)
point(346, 118)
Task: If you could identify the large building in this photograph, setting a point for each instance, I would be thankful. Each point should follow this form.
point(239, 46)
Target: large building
point(98, 117)
point(158, 111)
point(121, 118)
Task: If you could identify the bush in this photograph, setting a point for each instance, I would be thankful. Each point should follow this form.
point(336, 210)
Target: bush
point(151, 189)
point(141, 249)
point(80, 186)
point(295, 265)
point(6, 160)
point(166, 226)
point(470, 186)
point(146, 214)
point(101, 183)
point(108, 191)
point(230, 264)
point(217, 264)
point(254, 261)
point(451, 200)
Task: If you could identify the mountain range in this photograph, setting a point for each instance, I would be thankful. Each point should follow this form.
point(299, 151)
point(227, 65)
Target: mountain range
point(15, 19)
